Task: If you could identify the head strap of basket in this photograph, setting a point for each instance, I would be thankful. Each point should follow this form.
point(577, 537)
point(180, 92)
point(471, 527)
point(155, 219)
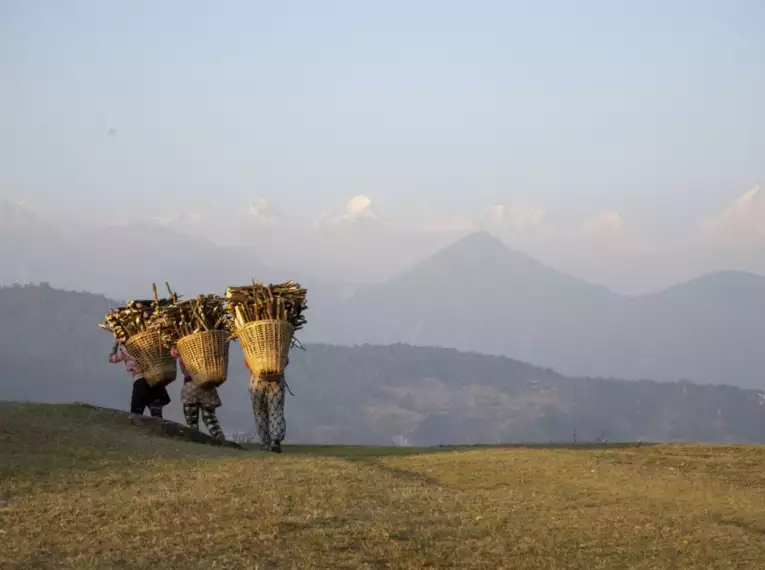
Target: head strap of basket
point(155, 361)
point(266, 345)
point(205, 355)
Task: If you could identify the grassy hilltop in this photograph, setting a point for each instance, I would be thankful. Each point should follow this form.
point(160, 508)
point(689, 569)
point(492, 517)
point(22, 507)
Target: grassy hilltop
point(84, 487)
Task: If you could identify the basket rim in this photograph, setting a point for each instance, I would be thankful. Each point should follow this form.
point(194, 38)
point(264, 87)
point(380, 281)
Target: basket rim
point(142, 335)
point(251, 324)
point(216, 332)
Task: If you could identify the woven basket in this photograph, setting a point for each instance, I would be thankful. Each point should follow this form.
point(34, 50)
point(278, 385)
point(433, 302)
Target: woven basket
point(205, 356)
point(266, 345)
point(155, 361)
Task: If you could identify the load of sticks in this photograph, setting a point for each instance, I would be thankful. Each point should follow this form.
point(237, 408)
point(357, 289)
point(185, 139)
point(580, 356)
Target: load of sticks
point(200, 314)
point(265, 319)
point(134, 326)
point(137, 316)
point(200, 329)
point(258, 302)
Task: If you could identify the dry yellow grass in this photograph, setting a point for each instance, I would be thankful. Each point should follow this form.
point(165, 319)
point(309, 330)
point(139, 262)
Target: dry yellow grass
point(106, 496)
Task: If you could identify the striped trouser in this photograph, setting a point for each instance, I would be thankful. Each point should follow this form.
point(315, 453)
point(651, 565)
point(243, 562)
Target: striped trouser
point(268, 406)
point(191, 411)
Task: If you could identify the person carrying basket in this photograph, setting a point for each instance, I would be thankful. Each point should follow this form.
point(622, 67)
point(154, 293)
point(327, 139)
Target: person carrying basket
point(195, 399)
point(144, 395)
point(267, 393)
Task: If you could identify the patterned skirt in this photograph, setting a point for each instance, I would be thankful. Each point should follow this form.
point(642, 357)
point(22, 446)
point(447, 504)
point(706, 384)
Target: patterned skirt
point(193, 395)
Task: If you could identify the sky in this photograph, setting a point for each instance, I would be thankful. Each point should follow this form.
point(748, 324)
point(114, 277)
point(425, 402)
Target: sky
point(604, 125)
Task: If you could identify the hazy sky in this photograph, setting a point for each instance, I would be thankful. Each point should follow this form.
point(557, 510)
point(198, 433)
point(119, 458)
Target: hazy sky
point(648, 111)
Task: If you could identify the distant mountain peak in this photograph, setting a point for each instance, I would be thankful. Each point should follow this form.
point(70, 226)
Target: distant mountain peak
point(480, 262)
point(482, 246)
point(482, 237)
point(727, 278)
point(730, 289)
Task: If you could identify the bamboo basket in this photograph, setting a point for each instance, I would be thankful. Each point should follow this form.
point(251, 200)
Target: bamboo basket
point(205, 355)
point(155, 361)
point(266, 345)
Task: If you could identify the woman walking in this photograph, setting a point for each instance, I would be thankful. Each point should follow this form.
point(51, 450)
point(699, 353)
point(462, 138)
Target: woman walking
point(267, 393)
point(144, 395)
point(196, 399)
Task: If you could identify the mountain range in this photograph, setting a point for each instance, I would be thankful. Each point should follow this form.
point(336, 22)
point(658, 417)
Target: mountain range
point(479, 295)
point(52, 351)
point(475, 295)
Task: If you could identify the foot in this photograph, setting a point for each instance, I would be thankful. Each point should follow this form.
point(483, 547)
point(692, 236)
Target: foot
point(276, 447)
point(265, 447)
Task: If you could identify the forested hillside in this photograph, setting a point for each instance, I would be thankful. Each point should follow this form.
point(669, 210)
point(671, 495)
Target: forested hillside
point(52, 350)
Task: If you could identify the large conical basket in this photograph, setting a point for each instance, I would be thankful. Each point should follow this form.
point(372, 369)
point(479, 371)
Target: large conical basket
point(155, 361)
point(266, 345)
point(205, 355)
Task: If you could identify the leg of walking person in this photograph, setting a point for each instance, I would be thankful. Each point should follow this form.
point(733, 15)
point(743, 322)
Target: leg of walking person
point(211, 421)
point(277, 423)
point(138, 401)
point(158, 398)
point(260, 411)
point(191, 413)
point(190, 403)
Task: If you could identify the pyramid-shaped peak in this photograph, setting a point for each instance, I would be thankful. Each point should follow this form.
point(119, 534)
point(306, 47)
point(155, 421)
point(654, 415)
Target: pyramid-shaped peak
point(481, 241)
point(481, 244)
point(480, 262)
point(474, 254)
point(482, 238)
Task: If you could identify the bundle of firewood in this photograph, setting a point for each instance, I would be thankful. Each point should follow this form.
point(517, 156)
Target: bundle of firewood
point(201, 314)
point(137, 316)
point(258, 302)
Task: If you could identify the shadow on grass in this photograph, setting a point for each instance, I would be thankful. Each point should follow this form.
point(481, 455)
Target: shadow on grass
point(566, 446)
point(371, 452)
point(42, 426)
point(347, 451)
point(158, 427)
point(373, 455)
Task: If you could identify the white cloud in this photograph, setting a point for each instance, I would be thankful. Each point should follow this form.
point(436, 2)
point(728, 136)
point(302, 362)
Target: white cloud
point(210, 226)
point(520, 221)
point(356, 209)
point(261, 212)
point(359, 206)
point(609, 233)
point(180, 219)
point(497, 213)
point(741, 223)
point(604, 224)
point(214, 221)
point(357, 243)
point(525, 218)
